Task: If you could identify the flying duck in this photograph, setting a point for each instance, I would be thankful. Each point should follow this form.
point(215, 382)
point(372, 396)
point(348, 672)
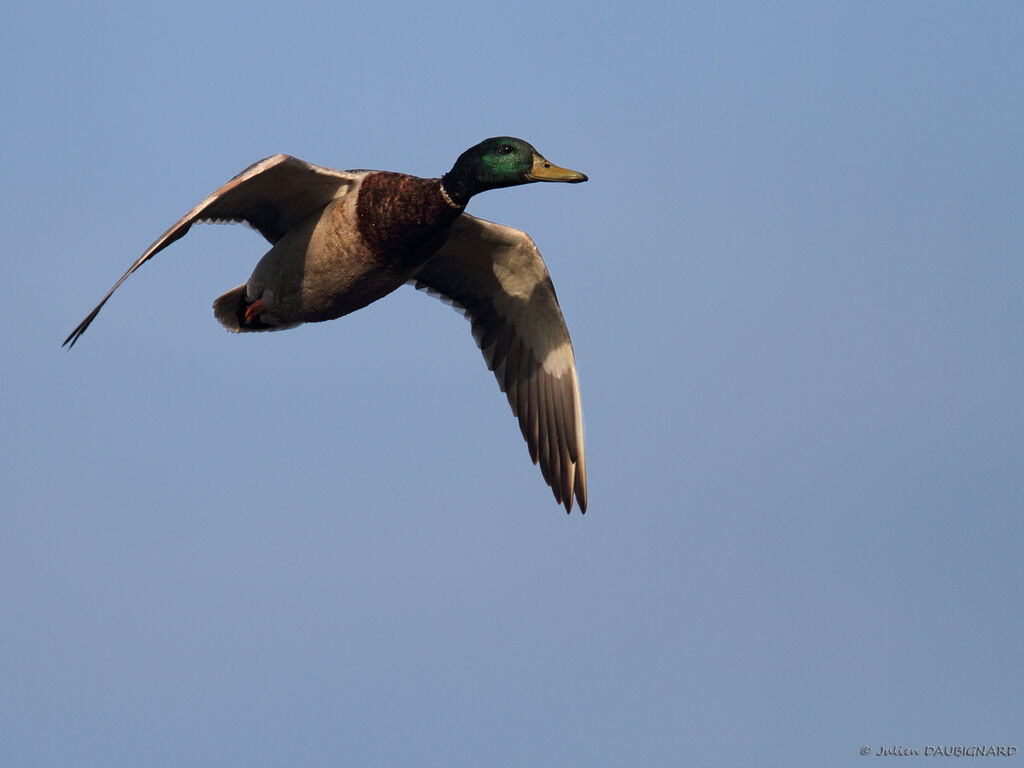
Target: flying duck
point(343, 239)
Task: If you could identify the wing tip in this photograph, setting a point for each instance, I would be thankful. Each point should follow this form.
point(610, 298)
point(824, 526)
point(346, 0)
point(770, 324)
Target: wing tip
point(581, 497)
point(76, 334)
point(579, 490)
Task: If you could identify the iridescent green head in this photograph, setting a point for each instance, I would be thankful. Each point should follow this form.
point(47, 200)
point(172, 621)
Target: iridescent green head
point(501, 162)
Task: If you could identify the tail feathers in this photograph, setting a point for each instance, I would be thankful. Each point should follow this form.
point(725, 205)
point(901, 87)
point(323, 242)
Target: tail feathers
point(232, 310)
point(229, 309)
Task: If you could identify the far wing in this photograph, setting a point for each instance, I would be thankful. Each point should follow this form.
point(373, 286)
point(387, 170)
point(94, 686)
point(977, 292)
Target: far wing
point(496, 276)
point(272, 195)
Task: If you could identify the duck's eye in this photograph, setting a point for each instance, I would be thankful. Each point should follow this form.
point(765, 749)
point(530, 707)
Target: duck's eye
point(505, 149)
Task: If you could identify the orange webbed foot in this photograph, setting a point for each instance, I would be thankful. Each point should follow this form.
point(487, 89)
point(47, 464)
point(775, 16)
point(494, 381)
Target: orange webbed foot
point(253, 311)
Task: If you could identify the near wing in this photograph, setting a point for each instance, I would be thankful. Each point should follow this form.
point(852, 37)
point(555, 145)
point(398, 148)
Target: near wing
point(272, 195)
point(496, 276)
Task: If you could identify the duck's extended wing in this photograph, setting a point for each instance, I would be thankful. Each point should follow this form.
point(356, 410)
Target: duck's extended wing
point(272, 195)
point(495, 275)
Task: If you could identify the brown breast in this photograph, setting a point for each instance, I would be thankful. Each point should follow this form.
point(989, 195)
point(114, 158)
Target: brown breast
point(403, 219)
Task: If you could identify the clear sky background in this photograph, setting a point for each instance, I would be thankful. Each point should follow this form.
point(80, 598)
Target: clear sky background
point(795, 287)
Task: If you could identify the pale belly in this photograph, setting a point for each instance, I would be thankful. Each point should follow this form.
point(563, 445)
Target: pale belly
point(321, 270)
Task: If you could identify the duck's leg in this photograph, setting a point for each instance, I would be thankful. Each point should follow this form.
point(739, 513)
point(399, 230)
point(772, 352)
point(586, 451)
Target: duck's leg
point(253, 311)
point(239, 315)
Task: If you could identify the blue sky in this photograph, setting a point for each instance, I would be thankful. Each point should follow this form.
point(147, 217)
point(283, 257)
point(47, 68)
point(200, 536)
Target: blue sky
point(794, 286)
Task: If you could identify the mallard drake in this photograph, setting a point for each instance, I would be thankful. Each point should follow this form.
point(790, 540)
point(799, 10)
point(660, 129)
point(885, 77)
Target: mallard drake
point(343, 239)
